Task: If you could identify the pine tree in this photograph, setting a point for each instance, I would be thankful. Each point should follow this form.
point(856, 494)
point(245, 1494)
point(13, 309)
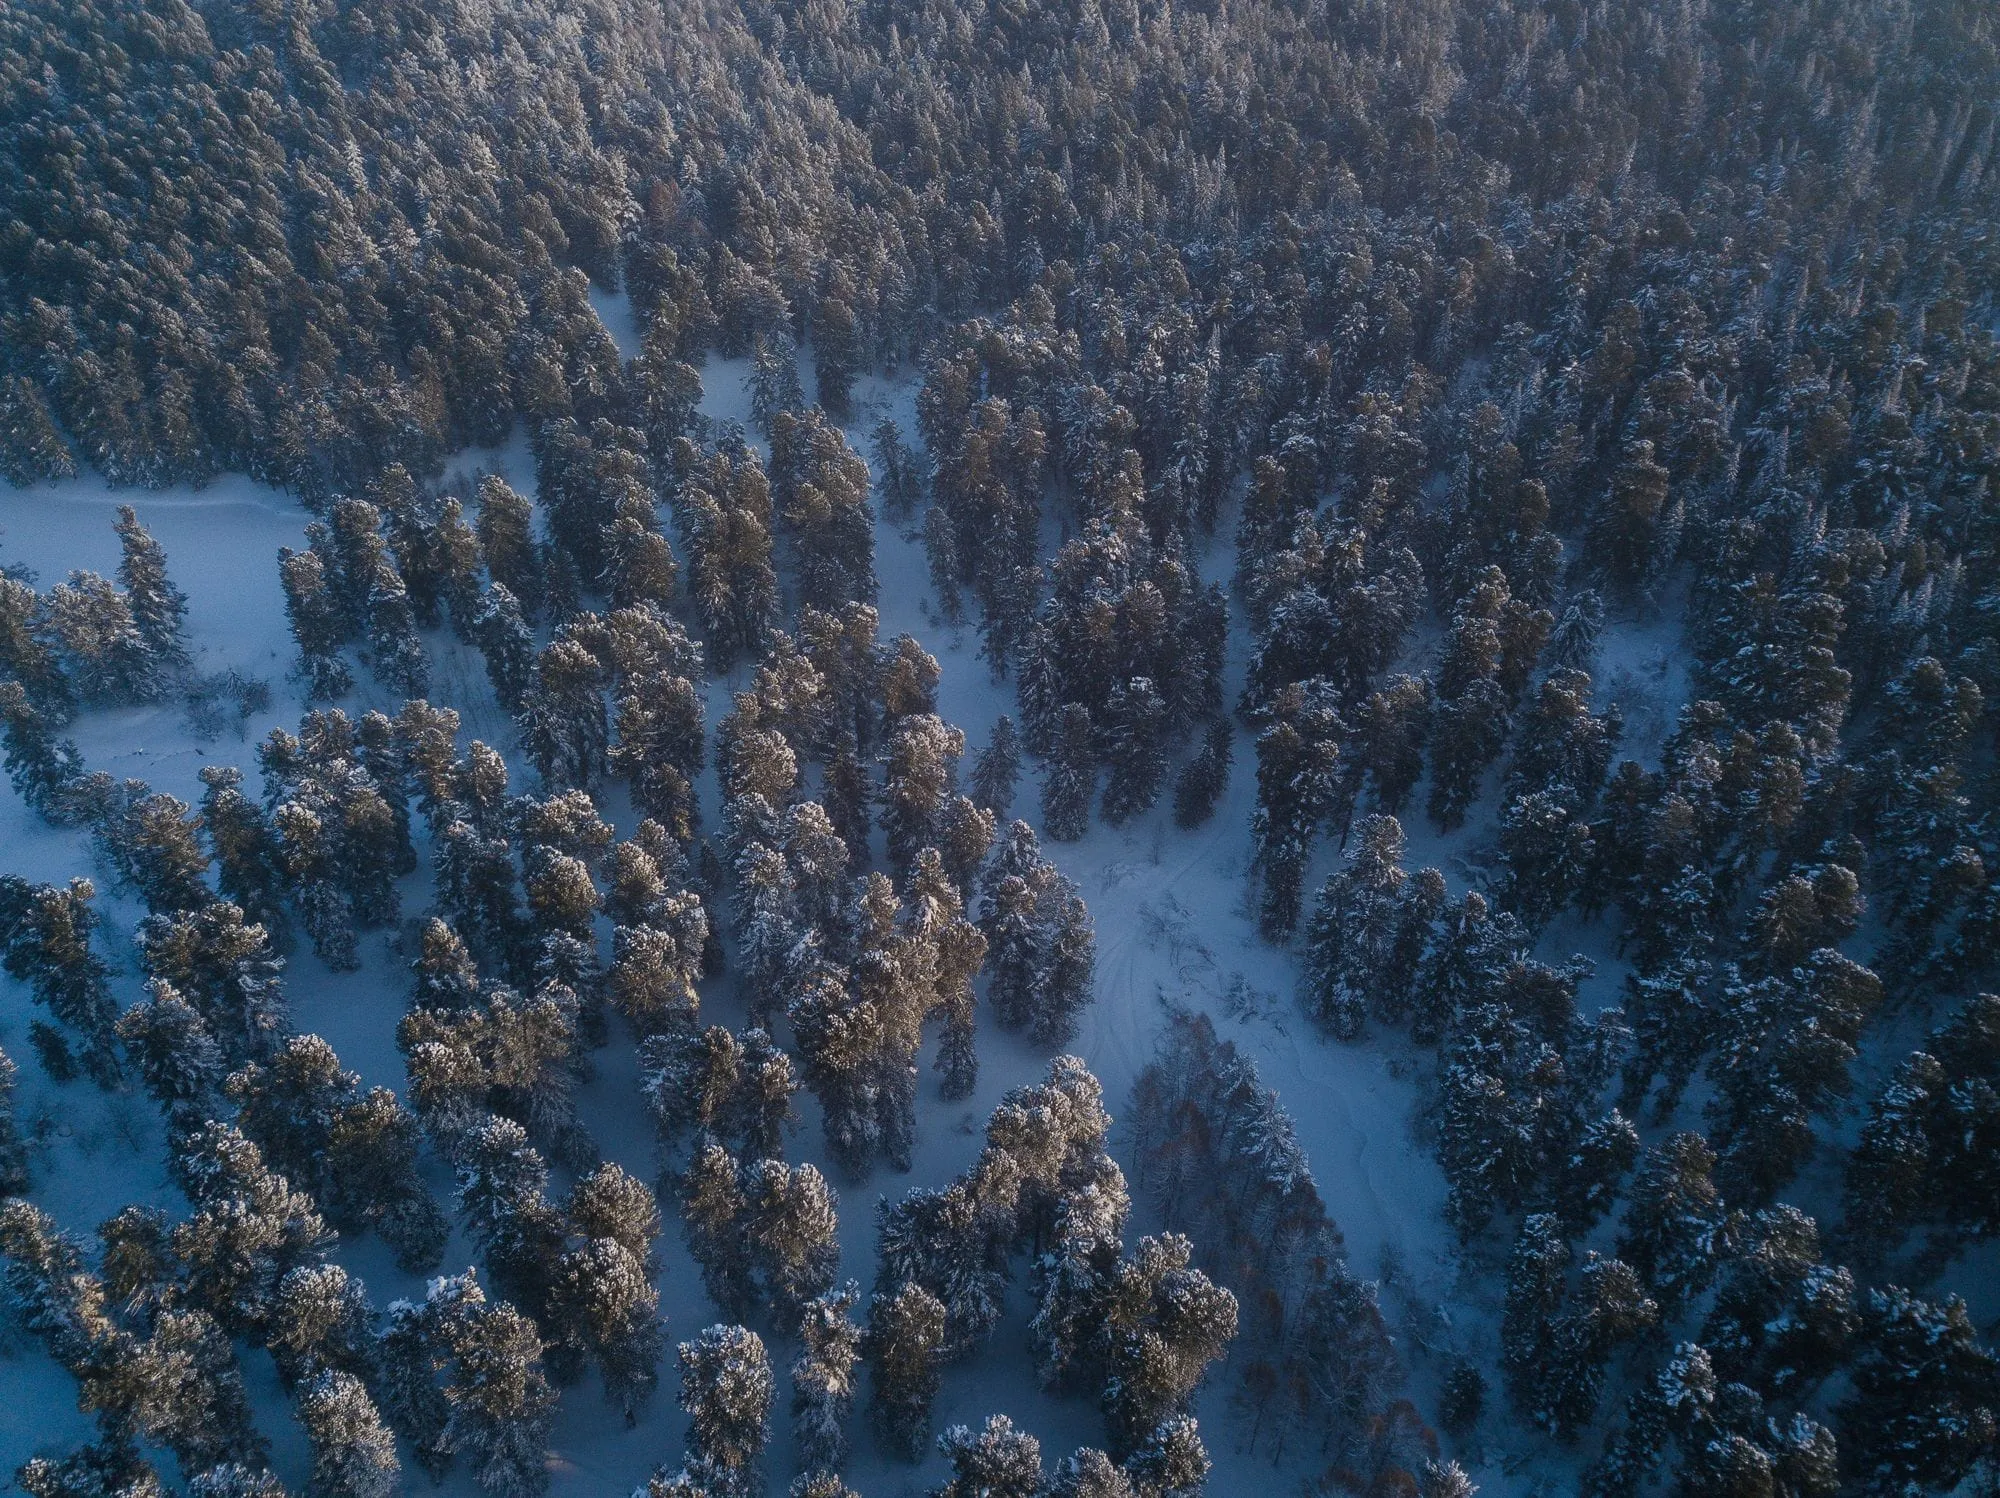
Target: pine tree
point(1089, 1473)
point(1201, 784)
point(248, 860)
point(839, 1037)
point(1676, 1228)
point(502, 1183)
point(1588, 1185)
point(1167, 1322)
point(823, 1379)
point(89, 624)
point(13, 1151)
point(654, 967)
point(159, 609)
point(562, 717)
point(317, 623)
point(1609, 1309)
point(505, 528)
point(373, 1180)
point(354, 1456)
point(1923, 1413)
point(500, 629)
point(995, 1462)
point(411, 1357)
point(39, 764)
point(1390, 734)
point(791, 1225)
point(996, 770)
point(45, 939)
point(250, 1228)
point(223, 966)
point(501, 1407)
point(321, 1323)
point(602, 1304)
point(1535, 1287)
point(1172, 1463)
point(1134, 728)
point(922, 768)
point(713, 1217)
point(187, 1393)
point(1071, 778)
point(905, 1334)
point(1352, 935)
point(727, 1391)
point(1782, 1319)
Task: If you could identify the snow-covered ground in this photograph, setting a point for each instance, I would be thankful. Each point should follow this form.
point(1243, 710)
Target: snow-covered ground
point(1171, 927)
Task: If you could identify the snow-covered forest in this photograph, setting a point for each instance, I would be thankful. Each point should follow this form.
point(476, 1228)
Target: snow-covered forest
point(1102, 750)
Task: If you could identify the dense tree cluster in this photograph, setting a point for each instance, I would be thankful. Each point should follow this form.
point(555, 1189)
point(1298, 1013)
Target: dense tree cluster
point(1497, 335)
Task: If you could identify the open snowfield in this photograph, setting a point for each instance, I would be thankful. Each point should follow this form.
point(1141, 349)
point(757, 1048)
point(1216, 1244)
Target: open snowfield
point(1171, 930)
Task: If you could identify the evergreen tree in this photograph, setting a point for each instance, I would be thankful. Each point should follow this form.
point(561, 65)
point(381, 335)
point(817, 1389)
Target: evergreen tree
point(1167, 1322)
point(921, 773)
point(159, 609)
point(411, 1357)
point(562, 717)
point(1352, 936)
point(500, 629)
point(900, 476)
point(354, 1456)
point(13, 1151)
point(1676, 1228)
point(1135, 721)
point(1782, 1318)
point(1071, 778)
point(505, 528)
point(225, 968)
point(996, 770)
point(317, 623)
point(1201, 784)
point(39, 764)
point(500, 1405)
point(322, 1323)
point(1089, 1474)
point(249, 1229)
point(995, 1462)
point(1172, 1463)
point(823, 1379)
point(727, 1391)
point(89, 625)
point(905, 1334)
point(791, 1225)
point(1923, 1413)
point(45, 937)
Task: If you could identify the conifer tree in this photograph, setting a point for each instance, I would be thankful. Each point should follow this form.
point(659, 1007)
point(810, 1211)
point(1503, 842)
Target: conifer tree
point(354, 1455)
point(505, 528)
point(995, 1462)
point(1201, 784)
point(1134, 729)
point(500, 1405)
point(1167, 1322)
point(45, 941)
point(1070, 780)
point(1924, 1407)
point(996, 770)
point(39, 764)
point(823, 1379)
point(727, 1391)
point(500, 629)
point(159, 609)
point(1676, 1228)
point(905, 1335)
